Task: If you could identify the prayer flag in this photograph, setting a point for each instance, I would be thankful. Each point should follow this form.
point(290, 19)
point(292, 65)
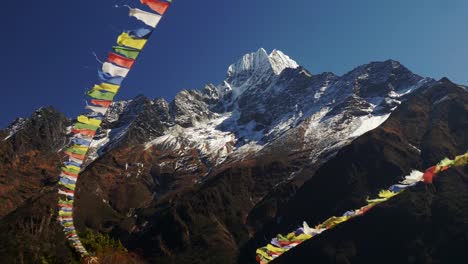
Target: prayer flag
point(114, 70)
point(120, 60)
point(125, 40)
point(157, 5)
point(148, 18)
point(127, 52)
point(103, 103)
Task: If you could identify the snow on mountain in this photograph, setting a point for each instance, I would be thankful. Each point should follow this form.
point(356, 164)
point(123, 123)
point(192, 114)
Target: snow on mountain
point(15, 126)
point(368, 123)
point(256, 61)
point(266, 102)
point(279, 61)
point(206, 138)
point(261, 61)
point(102, 137)
point(116, 109)
point(254, 69)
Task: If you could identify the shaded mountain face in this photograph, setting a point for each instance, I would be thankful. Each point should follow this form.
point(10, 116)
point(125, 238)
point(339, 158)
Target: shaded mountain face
point(423, 225)
point(28, 156)
point(201, 179)
point(29, 168)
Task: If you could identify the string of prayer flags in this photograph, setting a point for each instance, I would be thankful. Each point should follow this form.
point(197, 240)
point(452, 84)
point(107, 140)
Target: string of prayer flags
point(111, 75)
point(281, 244)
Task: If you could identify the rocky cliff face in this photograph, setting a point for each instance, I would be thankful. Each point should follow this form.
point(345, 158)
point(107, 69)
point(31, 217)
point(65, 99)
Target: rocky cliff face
point(206, 177)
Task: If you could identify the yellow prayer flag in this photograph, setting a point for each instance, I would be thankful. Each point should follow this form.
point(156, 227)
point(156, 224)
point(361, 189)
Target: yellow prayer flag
point(376, 201)
point(90, 121)
point(386, 194)
point(125, 40)
point(80, 148)
point(275, 249)
point(302, 237)
point(262, 252)
point(334, 220)
point(461, 160)
point(107, 87)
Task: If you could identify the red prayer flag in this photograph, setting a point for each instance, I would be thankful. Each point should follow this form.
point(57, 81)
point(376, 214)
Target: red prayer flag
point(76, 156)
point(120, 60)
point(70, 235)
point(429, 174)
point(258, 259)
point(366, 208)
point(103, 103)
point(287, 243)
point(157, 5)
point(68, 191)
point(85, 132)
point(70, 174)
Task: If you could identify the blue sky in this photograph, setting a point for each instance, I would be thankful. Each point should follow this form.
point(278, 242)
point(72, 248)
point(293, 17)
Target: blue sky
point(47, 45)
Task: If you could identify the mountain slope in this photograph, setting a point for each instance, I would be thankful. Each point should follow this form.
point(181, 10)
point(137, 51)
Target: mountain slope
point(28, 156)
point(423, 225)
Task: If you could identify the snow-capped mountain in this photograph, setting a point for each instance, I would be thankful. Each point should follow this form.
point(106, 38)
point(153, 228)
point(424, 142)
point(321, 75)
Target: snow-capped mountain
point(266, 101)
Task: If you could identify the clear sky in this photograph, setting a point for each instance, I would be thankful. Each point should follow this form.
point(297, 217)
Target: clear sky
point(47, 60)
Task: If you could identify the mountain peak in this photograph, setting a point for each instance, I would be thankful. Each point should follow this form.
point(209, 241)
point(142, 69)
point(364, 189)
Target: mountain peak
point(381, 71)
point(280, 61)
point(249, 63)
point(261, 61)
point(393, 63)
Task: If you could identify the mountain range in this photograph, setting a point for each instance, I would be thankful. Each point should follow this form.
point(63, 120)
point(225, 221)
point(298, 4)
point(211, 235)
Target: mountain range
point(215, 173)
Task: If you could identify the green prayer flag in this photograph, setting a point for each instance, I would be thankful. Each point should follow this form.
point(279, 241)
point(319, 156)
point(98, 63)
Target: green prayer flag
point(68, 186)
point(445, 162)
point(62, 213)
point(68, 224)
point(77, 151)
point(65, 202)
point(127, 52)
point(101, 95)
point(71, 170)
point(79, 125)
